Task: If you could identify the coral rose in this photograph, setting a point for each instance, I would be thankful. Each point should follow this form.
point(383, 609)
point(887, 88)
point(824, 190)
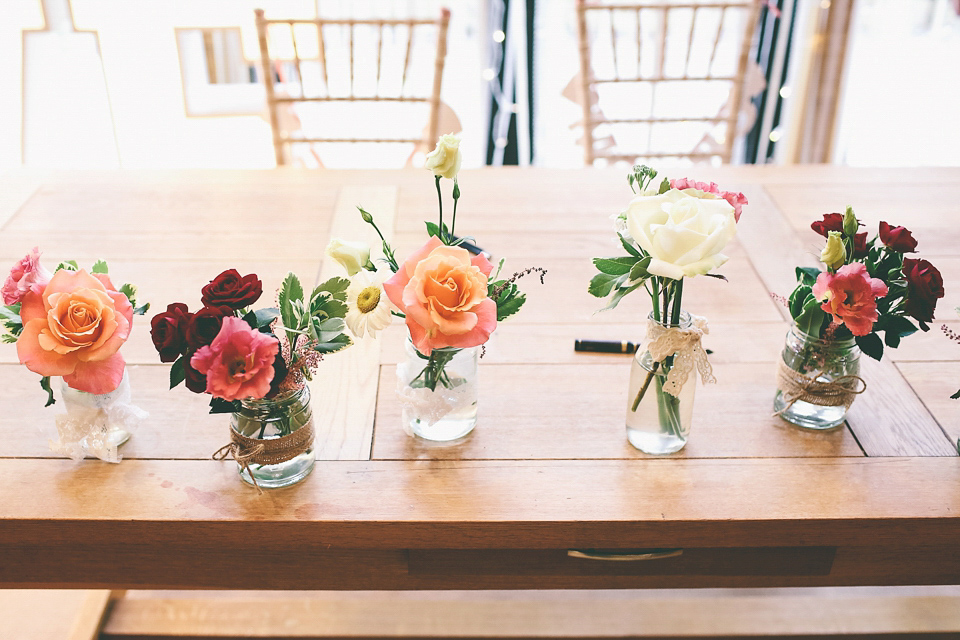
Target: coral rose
point(25, 275)
point(238, 363)
point(850, 296)
point(74, 328)
point(443, 292)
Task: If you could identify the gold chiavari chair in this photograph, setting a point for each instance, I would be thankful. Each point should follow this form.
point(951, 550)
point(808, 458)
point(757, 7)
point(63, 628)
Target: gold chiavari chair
point(289, 68)
point(655, 47)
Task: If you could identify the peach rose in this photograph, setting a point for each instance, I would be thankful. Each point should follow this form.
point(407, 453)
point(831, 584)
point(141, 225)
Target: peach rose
point(443, 292)
point(74, 328)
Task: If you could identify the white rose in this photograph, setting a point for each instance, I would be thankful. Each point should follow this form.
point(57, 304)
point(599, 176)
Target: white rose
point(352, 255)
point(683, 234)
point(444, 161)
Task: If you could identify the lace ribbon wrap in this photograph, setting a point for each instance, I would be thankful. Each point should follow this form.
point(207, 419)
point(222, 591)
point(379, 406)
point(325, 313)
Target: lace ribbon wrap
point(684, 346)
point(93, 422)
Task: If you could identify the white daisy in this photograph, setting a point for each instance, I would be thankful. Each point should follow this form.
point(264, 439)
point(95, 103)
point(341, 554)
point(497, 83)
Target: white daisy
point(368, 308)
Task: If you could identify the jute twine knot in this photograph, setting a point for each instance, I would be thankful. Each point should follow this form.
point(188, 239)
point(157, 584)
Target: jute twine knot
point(247, 451)
point(684, 345)
point(795, 387)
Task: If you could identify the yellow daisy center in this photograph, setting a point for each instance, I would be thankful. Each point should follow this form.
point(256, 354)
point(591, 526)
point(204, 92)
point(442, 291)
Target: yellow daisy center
point(368, 299)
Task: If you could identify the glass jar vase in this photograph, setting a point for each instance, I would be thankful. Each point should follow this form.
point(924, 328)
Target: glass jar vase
point(817, 380)
point(272, 439)
point(658, 422)
point(96, 423)
point(438, 392)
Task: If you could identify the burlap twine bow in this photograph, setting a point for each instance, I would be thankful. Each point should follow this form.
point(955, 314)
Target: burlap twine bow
point(831, 393)
point(684, 346)
point(247, 451)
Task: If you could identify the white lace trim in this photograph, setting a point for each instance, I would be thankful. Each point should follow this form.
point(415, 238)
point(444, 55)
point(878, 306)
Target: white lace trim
point(684, 346)
point(95, 423)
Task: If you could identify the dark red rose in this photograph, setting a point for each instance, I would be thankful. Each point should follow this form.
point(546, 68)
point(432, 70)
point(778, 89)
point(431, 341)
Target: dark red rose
point(830, 222)
point(924, 288)
point(204, 326)
point(232, 290)
point(168, 330)
point(195, 381)
point(897, 238)
point(860, 245)
point(280, 371)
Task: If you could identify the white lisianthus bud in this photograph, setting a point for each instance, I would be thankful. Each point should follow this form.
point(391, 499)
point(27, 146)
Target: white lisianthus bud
point(351, 255)
point(834, 254)
point(444, 161)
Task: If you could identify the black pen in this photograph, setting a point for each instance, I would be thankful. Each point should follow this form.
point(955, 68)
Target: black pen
point(472, 248)
point(605, 346)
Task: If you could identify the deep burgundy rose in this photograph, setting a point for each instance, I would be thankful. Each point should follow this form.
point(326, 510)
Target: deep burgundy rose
point(195, 381)
point(232, 290)
point(860, 245)
point(897, 238)
point(924, 288)
point(830, 222)
point(280, 371)
point(204, 326)
point(168, 330)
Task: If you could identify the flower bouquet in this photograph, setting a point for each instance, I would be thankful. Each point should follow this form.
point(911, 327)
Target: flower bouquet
point(71, 323)
point(254, 364)
point(867, 288)
point(451, 301)
point(671, 230)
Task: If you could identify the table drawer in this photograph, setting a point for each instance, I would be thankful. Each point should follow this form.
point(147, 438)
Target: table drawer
point(738, 561)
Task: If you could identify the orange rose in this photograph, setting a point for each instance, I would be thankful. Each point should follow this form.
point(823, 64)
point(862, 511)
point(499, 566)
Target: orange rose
point(443, 292)
point(74, 329)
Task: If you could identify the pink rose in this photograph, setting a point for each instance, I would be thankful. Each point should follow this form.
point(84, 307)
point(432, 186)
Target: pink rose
point(736, 199)
point(238, 363)
point(23, 276)
point(74, 328)
point(443, 292)
point(850, 296)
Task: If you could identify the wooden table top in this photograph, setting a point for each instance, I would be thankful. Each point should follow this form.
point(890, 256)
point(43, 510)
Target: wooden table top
point(548, 466)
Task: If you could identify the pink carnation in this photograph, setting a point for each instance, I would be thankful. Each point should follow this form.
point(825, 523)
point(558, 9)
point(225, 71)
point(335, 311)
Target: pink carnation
point(736, 200)
point(850, 296)
point(239, 362)
point(24, 276)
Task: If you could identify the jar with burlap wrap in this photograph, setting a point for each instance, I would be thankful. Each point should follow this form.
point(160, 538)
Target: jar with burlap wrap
point(663, 384)
point(271, 439)
point(817, 380)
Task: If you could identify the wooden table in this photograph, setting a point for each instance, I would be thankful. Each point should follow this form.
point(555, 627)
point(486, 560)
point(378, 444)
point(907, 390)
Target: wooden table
point(751, 500)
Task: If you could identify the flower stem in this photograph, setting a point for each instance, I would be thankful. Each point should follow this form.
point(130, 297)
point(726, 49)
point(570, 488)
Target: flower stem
point(456, 196)
point(645, 386)
point(440, 202)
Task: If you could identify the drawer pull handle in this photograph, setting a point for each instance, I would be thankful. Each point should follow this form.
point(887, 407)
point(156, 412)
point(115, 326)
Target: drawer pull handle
point(646, 554)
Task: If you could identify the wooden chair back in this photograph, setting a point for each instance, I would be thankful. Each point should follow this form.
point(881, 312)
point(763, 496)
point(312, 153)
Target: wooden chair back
point(278, 104)
point(684, 49)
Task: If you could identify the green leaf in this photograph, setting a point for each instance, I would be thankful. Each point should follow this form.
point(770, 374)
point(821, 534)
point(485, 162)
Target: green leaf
point(639, 270)
point(616, 266)
point(603, 283)
point(509, 301)
point(798, 299)
point(141, 310)
point(69, 265)
point(871, 344)
point(629, 247)
point(219, 405)
point(337, 287)
point(45, 385)
point(956, 396)
point(291, 292)
point(100, 266)
point(128, 290)
point(265, 317)
point(434, 230)
point(10, 318)
point(177, 372)
point(8, 338)
point(811, 318)
point(619, 294)
point(897, 328)
point(664, 186)
point(808, 275)
point(332, 345)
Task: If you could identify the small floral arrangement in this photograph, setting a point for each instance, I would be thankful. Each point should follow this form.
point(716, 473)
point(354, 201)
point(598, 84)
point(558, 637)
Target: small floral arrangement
point(867, 288)
point(449, 298)
point(671, 230)
point(232, 352)
point(70, 323)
